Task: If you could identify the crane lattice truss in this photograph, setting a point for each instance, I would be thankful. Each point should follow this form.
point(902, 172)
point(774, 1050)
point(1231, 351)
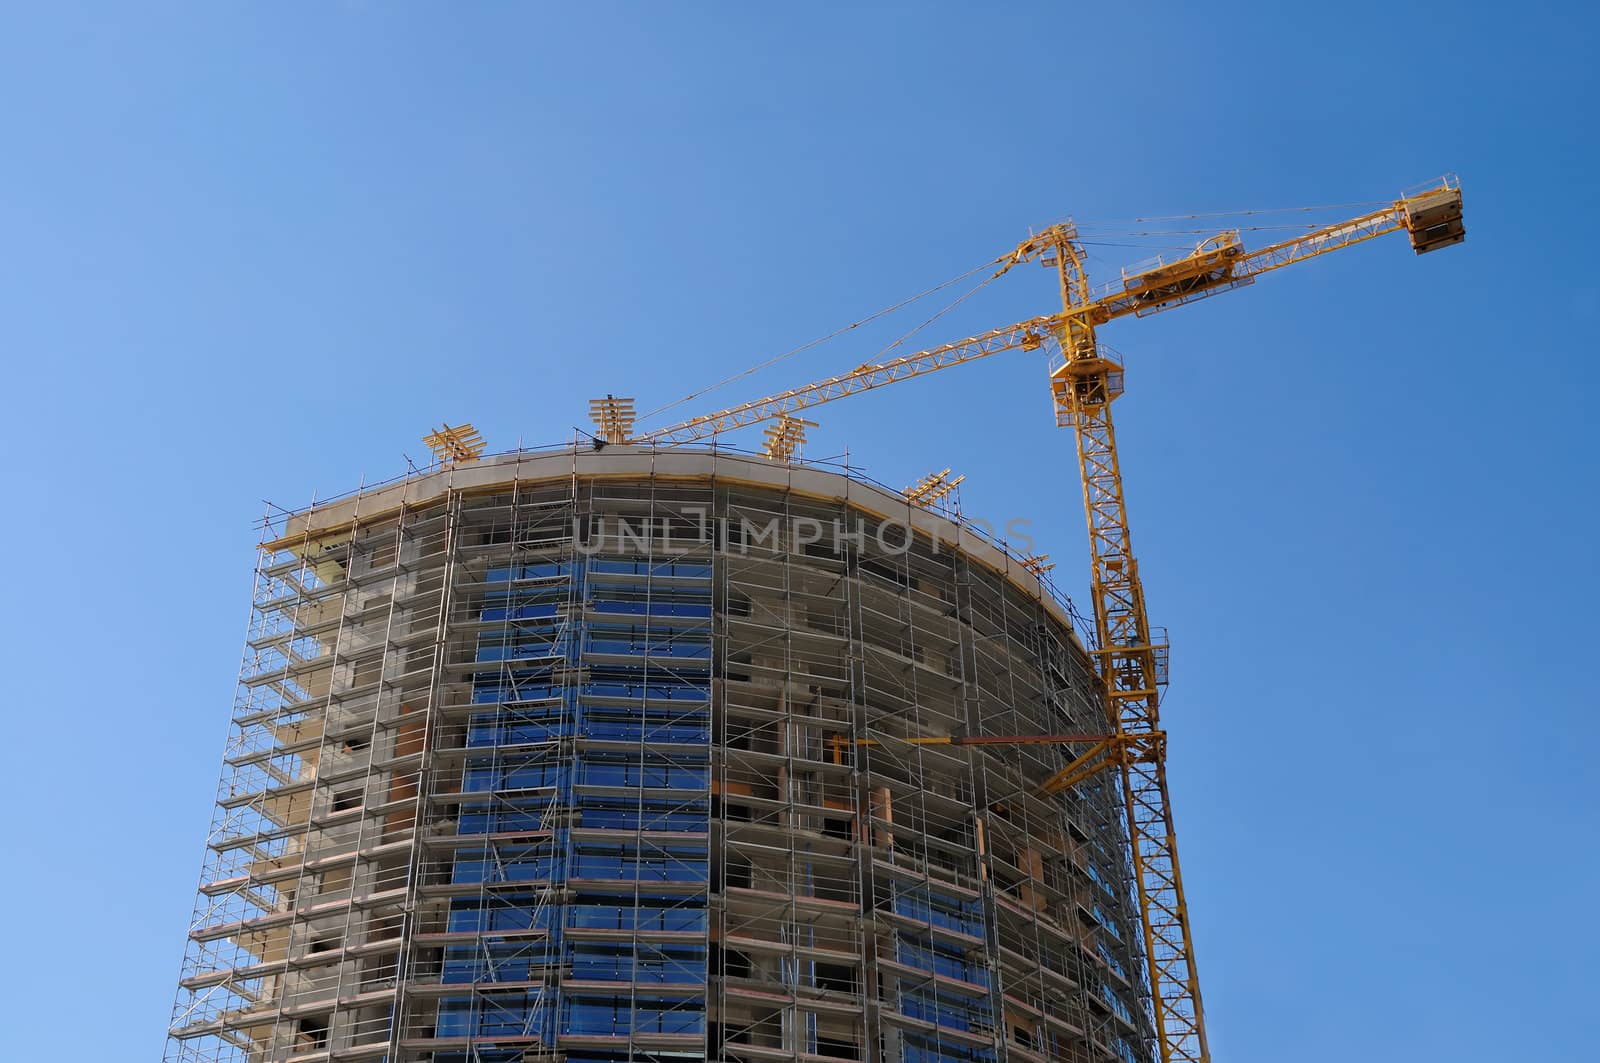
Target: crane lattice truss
point(1131, 655)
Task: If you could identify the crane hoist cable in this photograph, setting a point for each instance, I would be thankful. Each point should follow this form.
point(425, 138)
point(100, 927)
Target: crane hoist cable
point(820, 340)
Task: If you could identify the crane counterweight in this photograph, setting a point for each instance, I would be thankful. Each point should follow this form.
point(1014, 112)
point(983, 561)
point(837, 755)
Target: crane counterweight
point(1434, 220)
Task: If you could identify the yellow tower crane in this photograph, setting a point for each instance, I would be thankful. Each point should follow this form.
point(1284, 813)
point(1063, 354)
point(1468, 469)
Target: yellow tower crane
point(1130, 655)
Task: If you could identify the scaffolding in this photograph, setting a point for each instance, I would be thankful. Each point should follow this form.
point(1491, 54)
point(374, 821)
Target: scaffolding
point(607, 756)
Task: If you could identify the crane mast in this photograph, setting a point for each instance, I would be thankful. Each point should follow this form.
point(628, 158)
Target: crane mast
point(1131, 660)
point(1130, 655)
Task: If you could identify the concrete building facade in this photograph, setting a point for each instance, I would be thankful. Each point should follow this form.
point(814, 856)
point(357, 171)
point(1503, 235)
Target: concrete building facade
point(609, 756)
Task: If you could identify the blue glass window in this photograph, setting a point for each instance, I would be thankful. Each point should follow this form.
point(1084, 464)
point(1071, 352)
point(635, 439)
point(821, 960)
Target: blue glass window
point(507, 864)
point(688, 725)
point(603, 916)
point(500, 1014)
point(637, 643)
point(941, 959)
point(944, 1009)
point(667, 964)
point(549, 570)
point(500, 912)
point(502, 817)
point(651, 863)
point(660, 687)
point(951, 913)
point(518, 962)
point(617, 1016)
point(653, 607)
point(519, 724)
point(621, 769)
point(920, 1049)
point(520, 610)
point(628, 817)
point(491, 687)
point(1111, 961)
point(680, 569)
point(1106, 922)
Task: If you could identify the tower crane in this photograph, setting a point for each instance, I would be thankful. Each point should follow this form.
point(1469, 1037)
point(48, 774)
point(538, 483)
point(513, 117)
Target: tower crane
point(1085, 378)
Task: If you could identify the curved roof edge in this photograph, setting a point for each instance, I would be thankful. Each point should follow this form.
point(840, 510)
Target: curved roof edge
point(681, 463)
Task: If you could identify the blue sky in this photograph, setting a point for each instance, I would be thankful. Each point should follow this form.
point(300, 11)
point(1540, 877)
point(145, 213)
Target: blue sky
point(254, 252)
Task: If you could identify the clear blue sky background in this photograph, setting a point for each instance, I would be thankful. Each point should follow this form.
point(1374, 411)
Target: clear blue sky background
point(255, 251)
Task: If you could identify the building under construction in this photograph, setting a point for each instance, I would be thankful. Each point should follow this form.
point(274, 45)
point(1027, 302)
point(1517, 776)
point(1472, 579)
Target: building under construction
point(649, 754)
